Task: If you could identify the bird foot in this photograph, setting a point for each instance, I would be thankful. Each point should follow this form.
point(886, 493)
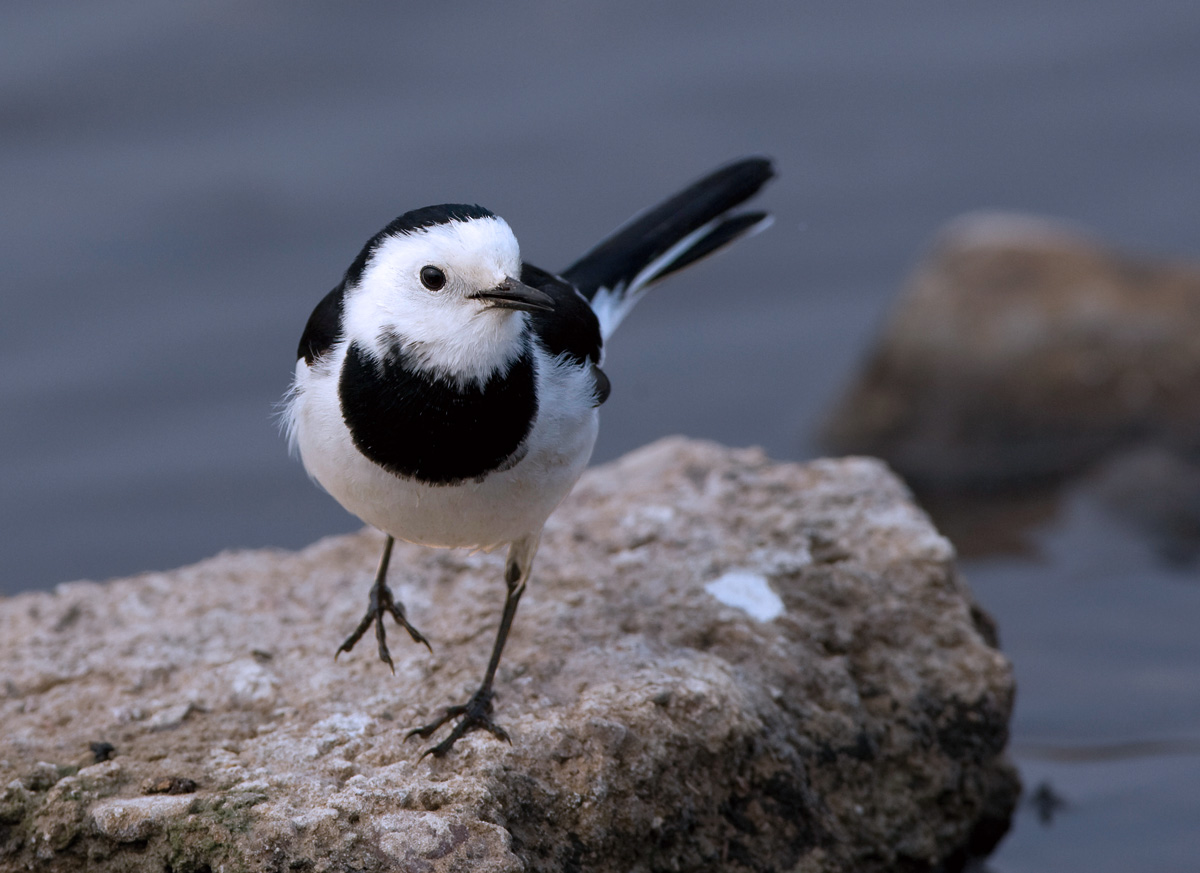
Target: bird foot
point(381, 603)
point(475, 714)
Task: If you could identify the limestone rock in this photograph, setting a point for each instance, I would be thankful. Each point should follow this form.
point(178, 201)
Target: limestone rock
point(722, 663)
point(1021, 350)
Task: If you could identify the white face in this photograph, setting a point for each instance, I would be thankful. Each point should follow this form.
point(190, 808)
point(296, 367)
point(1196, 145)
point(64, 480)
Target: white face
point(444, 329)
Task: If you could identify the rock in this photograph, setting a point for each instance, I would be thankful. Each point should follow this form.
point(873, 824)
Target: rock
point(722, 663)
point(1022, 351)
point(134, 819)
point(1157, 492)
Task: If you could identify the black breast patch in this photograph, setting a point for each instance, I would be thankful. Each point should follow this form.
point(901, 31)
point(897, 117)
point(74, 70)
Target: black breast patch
point(422, 426)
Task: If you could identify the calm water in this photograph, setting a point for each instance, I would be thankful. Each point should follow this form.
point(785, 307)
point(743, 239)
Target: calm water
point(183, 182)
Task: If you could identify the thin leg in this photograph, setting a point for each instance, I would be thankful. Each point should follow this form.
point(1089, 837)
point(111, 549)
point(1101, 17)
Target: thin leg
point(382, 602)
point(476, 713)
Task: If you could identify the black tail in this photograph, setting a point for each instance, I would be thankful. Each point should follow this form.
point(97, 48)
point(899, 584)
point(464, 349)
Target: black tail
point(663, 240)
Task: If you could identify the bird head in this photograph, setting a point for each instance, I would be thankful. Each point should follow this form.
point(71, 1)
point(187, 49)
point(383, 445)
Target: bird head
point(440, 284)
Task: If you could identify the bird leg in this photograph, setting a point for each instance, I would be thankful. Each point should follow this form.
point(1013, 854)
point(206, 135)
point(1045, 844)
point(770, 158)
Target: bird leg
point(476, 713)
point(381, 602)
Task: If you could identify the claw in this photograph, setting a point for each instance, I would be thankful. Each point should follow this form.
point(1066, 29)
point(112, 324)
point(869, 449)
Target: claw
point(475, 714)
point(381, 603)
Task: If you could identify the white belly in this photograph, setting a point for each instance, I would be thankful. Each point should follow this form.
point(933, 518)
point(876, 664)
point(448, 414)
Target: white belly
point(502, 508)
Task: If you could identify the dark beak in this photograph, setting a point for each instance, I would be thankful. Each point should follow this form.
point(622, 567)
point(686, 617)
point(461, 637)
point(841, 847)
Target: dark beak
point(511, 294)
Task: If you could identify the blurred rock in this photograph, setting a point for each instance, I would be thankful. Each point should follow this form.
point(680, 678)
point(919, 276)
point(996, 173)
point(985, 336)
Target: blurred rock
point(1158, 492)
point(723, 663)
point(992, 523)
point(1023, 351)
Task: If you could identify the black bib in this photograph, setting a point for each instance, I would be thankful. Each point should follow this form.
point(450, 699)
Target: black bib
point(423, 426)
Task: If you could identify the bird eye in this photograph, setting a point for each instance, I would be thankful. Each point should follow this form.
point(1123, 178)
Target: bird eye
point(433, 278)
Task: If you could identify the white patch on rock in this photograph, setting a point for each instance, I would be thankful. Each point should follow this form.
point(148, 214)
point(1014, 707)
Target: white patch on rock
point(749, 592)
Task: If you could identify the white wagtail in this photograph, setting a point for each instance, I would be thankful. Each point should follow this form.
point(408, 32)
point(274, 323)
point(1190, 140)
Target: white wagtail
point(446, 392)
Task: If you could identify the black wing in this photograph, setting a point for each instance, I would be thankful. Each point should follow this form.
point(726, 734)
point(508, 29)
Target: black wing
point(324, 326)
point(571, 329)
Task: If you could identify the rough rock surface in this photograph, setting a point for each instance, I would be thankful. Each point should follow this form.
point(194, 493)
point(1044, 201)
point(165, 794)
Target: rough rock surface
point(722, 663)
point(1021, 350)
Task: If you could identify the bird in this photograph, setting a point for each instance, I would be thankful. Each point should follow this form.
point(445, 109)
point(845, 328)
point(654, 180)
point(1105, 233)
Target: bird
point(447, 392)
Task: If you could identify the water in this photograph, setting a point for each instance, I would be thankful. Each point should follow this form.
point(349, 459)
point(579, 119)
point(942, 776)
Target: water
point(1108, 696)
point(182, 183)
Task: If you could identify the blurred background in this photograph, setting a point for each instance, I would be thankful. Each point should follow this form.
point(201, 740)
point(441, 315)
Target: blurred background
point(183, 182)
